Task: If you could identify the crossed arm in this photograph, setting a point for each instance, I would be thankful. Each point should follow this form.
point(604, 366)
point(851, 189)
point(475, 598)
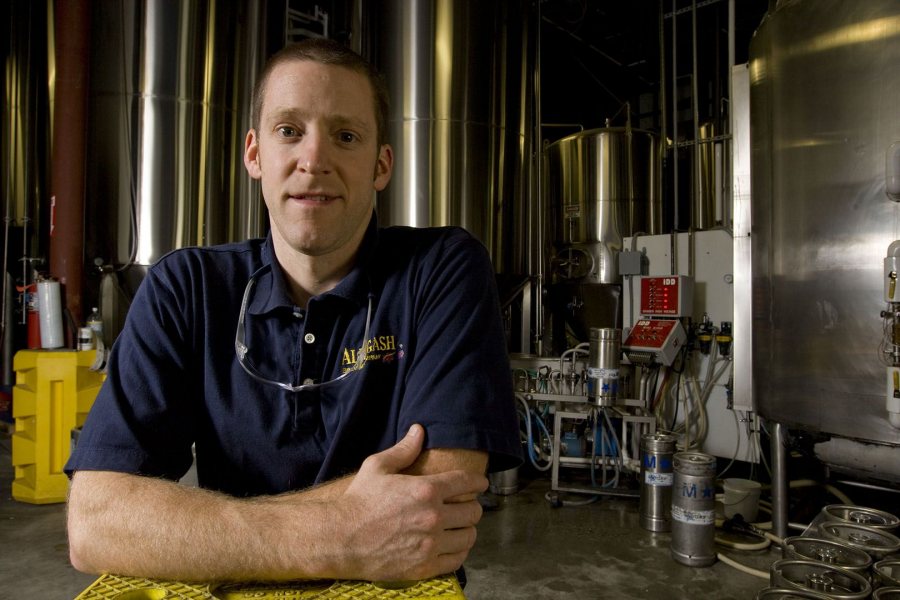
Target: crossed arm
point(406, 514)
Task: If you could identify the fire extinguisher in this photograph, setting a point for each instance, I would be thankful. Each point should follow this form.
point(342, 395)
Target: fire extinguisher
point(32, 318)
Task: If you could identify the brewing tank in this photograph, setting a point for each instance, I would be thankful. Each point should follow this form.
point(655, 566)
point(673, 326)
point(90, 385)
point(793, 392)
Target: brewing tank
point(824, 112)
point(169, 108)
point(460, 77)
point(601, 185)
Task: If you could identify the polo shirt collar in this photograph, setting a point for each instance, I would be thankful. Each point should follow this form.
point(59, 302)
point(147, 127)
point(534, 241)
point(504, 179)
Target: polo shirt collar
point(271, 291)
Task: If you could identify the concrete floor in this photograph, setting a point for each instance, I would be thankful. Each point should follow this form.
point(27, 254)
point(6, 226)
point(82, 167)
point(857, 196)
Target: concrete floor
point(526, 550)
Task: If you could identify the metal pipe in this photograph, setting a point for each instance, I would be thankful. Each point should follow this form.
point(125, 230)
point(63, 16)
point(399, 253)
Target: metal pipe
point(779, 481)
point(728, 209)
point(537, 207)
point(695, 105)
point(69, 141)
point(663, 108)
point(677, 221)
point(11, 167)
point(695, 111)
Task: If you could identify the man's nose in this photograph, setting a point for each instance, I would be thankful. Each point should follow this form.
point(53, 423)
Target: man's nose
point(314, 156)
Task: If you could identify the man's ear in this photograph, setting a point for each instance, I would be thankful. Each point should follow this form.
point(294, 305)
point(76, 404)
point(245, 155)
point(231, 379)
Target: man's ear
point(251, 155)
point(384, 166)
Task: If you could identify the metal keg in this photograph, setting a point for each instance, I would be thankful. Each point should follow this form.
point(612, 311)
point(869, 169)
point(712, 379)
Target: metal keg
point(771, 593)
point(504, 483)
point(860, 515)
point(826, 551)
point(657, 450)
point(835, 582)
point(694, 509)
point(887, 593)
point(877, 543)
point(886, 573)
point(603, 367)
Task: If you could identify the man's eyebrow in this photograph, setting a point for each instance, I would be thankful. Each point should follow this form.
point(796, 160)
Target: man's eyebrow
point(353, 122)
point(338, 120)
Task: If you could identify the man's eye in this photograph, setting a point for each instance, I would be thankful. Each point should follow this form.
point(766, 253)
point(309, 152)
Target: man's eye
point(347, 137)
point(286, 131)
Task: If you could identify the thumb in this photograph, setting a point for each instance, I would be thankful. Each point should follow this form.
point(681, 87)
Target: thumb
point(402, 454)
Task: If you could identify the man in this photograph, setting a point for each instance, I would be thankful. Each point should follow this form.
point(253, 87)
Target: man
point(344, 430)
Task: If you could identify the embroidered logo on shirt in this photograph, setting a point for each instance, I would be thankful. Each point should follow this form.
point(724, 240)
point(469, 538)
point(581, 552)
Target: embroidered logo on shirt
point(383, 348)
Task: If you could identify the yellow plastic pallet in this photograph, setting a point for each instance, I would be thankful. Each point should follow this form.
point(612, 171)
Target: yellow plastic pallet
point(114, 587)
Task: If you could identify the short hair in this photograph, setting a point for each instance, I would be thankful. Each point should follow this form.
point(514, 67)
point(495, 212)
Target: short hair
point(326, 52)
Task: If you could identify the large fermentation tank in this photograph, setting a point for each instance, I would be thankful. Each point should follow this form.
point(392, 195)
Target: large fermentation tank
point(170, 83)
point(825, 108)
point(600, 186)
point(460, 78)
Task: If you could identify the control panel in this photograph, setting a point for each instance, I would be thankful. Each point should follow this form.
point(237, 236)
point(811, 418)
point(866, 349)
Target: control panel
point(670, 296)
point(654, 341)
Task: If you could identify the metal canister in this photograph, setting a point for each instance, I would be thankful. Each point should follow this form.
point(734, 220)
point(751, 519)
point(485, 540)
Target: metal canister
point(504, 483)
point(657, 450)
point(788, 594)
point(694, 509)
point(603, 368)
point(860, 515)
point(877, 543)
point(807, 575)
point(826, 551)
point(886, 573)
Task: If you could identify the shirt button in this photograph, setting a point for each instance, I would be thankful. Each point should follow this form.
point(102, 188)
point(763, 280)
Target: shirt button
point(309, 338)
point(308, 381)
point(298, 315)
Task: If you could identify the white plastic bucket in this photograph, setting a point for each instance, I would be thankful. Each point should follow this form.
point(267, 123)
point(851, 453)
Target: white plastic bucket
point(741, 498)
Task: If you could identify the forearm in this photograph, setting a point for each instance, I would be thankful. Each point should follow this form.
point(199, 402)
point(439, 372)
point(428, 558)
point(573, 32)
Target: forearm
point(130, 524)
point(440, 460)
point(380, 523)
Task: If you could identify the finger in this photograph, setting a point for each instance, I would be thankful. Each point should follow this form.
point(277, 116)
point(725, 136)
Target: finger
point(456, 541)
point(461, 514)
point(458, 483)
point(402, 454)
point(448, 563)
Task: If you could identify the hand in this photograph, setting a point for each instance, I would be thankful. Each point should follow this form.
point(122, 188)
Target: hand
point(403, 527)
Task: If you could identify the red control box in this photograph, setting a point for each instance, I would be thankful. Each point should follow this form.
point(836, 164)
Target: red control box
point(670, 296)
point(654, 340)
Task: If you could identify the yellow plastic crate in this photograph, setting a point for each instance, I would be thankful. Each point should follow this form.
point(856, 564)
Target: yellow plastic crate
point(132, 588)
point(53, 393)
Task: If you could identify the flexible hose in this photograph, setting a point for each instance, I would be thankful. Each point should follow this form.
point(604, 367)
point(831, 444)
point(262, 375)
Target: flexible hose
point(530, 438)
point(584, 502)
point(744, 568)
point(760, 545)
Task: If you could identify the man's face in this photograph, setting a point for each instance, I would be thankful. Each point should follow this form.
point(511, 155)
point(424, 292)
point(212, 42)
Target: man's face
point(317, 157)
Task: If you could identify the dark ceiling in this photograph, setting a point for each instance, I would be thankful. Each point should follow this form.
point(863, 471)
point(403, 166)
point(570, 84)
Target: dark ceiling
point(599, 54)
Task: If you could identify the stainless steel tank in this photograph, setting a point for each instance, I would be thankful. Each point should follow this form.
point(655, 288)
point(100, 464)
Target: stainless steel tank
point(824, 111)
point(601, 185)
point(169, 109)
point(460, 80)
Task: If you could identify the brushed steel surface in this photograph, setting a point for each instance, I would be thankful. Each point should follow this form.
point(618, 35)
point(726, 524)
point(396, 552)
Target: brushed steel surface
point(615, 165)
point(741, 228)
point(601, 186)
point(656, 477)
point(459, 76)
point(824, 110)
point(169, 108)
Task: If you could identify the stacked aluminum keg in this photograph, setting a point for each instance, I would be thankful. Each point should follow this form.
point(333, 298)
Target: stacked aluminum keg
point(657, 450)
point(845, 553)
point(694, 509)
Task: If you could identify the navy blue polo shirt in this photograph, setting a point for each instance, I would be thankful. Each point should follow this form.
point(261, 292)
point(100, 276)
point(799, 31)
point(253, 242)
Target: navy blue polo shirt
point(435, 355)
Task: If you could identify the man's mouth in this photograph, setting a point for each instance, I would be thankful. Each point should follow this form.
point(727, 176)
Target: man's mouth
point(322, 198)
